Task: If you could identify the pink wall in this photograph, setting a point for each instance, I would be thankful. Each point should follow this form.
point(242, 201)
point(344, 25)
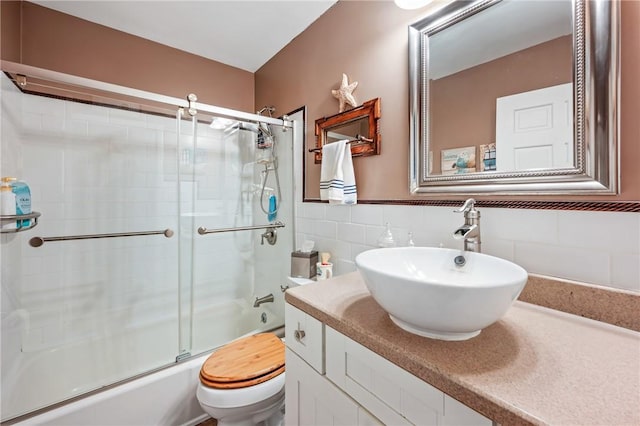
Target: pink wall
point(367, 40)
point(60, 42)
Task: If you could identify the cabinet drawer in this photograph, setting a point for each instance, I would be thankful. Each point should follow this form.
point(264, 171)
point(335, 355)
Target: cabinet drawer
point(304, 335)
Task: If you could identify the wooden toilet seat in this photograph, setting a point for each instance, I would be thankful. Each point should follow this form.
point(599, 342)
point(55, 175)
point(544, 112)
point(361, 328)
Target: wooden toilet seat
point(245, 362)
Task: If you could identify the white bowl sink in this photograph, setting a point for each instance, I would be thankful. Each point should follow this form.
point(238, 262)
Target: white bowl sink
point(425, 292)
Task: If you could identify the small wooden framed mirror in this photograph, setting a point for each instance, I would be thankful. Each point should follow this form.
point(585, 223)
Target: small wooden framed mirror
point(360, 126)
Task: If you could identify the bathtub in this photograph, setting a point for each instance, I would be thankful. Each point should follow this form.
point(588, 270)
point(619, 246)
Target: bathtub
point(166, 396)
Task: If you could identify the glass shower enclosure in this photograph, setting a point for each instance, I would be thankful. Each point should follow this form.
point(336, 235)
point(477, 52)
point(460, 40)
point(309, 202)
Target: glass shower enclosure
point(116, 280)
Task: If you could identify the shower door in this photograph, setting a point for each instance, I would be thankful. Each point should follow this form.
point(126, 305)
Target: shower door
point(230, 181)
point(79, 313)
point(114, 281)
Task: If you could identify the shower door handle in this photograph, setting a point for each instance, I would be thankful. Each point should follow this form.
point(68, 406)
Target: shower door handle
point(38, 241)
point(271, 226)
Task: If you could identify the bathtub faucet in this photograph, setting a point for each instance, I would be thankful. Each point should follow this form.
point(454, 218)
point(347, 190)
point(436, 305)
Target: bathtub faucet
point(260, 300)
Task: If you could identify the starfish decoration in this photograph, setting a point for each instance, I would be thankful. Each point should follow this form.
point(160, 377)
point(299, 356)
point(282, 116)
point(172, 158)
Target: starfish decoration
point(344, 93)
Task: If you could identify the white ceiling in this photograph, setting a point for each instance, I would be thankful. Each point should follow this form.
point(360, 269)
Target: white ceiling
point(243, 34)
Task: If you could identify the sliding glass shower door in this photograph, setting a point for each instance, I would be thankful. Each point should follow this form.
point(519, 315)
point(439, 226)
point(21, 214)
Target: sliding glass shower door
point(235, 180)
point(115, 281)
point(86, 309)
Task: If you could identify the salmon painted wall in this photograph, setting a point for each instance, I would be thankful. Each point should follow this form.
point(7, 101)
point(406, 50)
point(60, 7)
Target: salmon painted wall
point(60, 42)
point(367, 40)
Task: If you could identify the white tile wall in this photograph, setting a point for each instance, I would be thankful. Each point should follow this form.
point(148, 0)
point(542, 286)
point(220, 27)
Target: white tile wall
point(594, 247)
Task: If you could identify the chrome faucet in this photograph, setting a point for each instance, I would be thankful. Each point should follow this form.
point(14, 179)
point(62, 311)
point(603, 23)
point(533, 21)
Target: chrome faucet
point(260, 300)
point(470, 231)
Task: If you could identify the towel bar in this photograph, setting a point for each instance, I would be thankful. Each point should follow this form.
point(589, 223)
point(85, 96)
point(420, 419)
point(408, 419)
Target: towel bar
point(358, 140)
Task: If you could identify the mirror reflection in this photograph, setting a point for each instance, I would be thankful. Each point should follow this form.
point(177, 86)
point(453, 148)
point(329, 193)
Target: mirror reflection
point(515, 96)
point(350, 130)
point(503, 100)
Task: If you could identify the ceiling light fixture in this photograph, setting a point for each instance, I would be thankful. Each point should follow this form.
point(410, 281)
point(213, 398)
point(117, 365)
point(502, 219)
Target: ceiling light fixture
point(411, 4)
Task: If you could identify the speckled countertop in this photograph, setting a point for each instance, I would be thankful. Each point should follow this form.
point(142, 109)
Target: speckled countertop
point(534, 366)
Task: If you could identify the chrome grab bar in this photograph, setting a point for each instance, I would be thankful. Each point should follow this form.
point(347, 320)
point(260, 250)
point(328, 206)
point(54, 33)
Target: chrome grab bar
point(202, 230)
point(38, 241)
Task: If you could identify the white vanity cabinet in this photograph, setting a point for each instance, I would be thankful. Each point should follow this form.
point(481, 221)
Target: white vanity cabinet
point(331, 379)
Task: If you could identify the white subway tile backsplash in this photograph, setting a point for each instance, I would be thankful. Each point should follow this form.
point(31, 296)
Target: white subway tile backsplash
point(367, 214)
point(499, 248)
point(616, 232)
point(572, 263)
point(304, 226)
point(372, 233)
point(352, 232)
point(325, 229)
point(625, 271)
point(440, 220)
point(520, 225)
point(406, 217)
point(340, 250)
point(338, 213)
point(313, 211)
point(594, 247)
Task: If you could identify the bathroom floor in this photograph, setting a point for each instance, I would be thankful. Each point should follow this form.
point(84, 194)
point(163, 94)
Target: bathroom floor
point(210, 422)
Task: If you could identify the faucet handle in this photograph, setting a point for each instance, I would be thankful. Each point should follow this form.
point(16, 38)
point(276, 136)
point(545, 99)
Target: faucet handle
point(467, 206)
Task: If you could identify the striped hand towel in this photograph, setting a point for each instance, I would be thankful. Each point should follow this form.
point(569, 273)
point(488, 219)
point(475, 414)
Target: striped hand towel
point(337, 179)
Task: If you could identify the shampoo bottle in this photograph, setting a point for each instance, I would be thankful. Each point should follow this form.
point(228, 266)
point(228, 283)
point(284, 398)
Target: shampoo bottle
point(7, 203)
point(23, 199)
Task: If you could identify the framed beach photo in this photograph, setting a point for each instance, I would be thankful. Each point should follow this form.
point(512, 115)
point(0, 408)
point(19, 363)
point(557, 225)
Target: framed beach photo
point(458, 160)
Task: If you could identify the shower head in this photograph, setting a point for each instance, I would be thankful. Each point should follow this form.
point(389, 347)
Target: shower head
point(251, 127)
point(220, 123)
point(239, 125)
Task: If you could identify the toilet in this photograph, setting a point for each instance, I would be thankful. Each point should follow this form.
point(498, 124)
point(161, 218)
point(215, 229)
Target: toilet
point(242, 383)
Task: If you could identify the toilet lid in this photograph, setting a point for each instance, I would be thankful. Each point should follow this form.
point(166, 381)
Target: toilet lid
point(245, 362)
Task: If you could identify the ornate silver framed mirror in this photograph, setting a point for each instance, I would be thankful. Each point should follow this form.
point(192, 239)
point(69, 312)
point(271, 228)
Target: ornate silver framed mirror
point(515, 97)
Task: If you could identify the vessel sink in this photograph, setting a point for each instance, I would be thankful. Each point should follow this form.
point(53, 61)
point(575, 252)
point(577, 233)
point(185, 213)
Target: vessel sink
point(441, 293)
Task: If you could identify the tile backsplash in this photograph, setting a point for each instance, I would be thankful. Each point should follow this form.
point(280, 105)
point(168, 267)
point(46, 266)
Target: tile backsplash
point(601, 248)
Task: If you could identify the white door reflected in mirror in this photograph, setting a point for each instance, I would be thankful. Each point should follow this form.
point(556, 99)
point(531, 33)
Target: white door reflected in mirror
point(534, 130)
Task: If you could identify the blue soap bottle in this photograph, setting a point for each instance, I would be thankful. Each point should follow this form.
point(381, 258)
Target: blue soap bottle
point(23, 201)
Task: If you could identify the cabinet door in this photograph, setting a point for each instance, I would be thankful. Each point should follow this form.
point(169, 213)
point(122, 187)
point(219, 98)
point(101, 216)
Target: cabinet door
point(458, 414)
point(390, 393)
point(310, 399)
point(304, 335)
